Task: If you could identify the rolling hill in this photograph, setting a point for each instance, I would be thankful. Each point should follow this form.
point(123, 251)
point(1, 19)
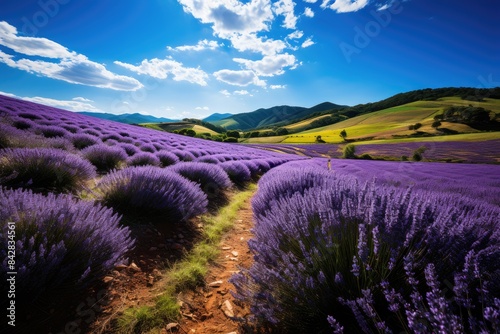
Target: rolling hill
point(216, 117)
point(274, 116)
point(392, 124)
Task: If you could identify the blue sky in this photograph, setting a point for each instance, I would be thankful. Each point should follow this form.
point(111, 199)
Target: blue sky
point(192, 58)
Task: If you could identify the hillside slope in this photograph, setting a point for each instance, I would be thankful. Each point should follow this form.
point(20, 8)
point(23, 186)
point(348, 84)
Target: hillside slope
point(390, 124)
point(266, 116)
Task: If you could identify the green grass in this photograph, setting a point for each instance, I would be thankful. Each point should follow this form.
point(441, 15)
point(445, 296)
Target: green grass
point(187, 273)
point(387, 123)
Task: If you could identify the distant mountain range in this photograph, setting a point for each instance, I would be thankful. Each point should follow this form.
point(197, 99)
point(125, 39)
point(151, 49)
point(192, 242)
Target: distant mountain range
point(216, 117)
point(272, 116)
point(129, 118)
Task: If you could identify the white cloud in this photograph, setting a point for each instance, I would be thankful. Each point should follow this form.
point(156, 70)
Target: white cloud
point(230, 16)
point(31, 46)
point(345, 6)
point(307, 43)
point(161, 68)
point(200, 46)
point(239, 78)
point(202, 108)
point(71, 67)
point(308, 12)
point(295, 35)
point(250, 42)
point(277, 86)
point(63, 104)
point(81, 99)
point(225, 92)
point(242, 92)
point(269, 65)
point(286, 8)
point(387, 5)
point(310, 1)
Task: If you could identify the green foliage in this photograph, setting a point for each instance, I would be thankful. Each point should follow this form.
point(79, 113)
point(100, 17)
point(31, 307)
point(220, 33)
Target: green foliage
point(281, 131)
point(319, 140)
point(233, 133)
point(343, 134)
point(365, 156)
point(467, 114)
point(230, 140)
point(349, 152)
point(436, 124)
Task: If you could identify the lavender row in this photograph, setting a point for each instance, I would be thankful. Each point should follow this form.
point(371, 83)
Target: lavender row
point(336, 254)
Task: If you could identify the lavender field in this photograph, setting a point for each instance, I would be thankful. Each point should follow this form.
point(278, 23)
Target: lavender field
point(483, 152)
point(349, 246)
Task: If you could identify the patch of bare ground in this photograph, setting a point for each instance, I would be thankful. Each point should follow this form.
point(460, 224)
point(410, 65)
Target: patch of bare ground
point(208, 309)
point(212, 308)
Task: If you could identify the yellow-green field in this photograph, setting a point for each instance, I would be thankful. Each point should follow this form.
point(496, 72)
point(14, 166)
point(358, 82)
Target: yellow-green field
point(169, 127)
point(390, 125)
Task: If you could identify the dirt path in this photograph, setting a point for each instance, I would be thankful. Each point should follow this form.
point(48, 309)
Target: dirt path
point(207, 310)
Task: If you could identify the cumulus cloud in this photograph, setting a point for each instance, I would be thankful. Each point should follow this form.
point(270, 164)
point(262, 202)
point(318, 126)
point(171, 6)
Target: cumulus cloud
point(71, 67)
point(286, 8)
point(161, 68)
point(225, 92)
point(200, 46)
point(239, 78)
point(308, 12)
point(277, 86)
point(251, 42)
point(230, 16)
point(310, 1)
point(202, 108)
point(344, 6)
point(269, 65)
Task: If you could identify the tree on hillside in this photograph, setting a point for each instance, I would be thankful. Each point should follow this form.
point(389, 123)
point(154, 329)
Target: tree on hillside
point(343, 134)
point(436, 124)
point(234, 134)
point(319, 139)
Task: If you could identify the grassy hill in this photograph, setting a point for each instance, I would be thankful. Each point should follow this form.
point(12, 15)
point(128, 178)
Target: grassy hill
point(392, 124)
point(170, 127)
point(276, 116)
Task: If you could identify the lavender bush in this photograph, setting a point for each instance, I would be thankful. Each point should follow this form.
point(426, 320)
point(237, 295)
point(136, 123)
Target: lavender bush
point(83, 140)
point(129, 149)
point(51, 131)
point(152, 191)
point(61, 243)
point(43, 169)
point(212, 179)
point(339, 257)
point(167, 158)
point(104, 157)
point(237, 171)
point(143, 159)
